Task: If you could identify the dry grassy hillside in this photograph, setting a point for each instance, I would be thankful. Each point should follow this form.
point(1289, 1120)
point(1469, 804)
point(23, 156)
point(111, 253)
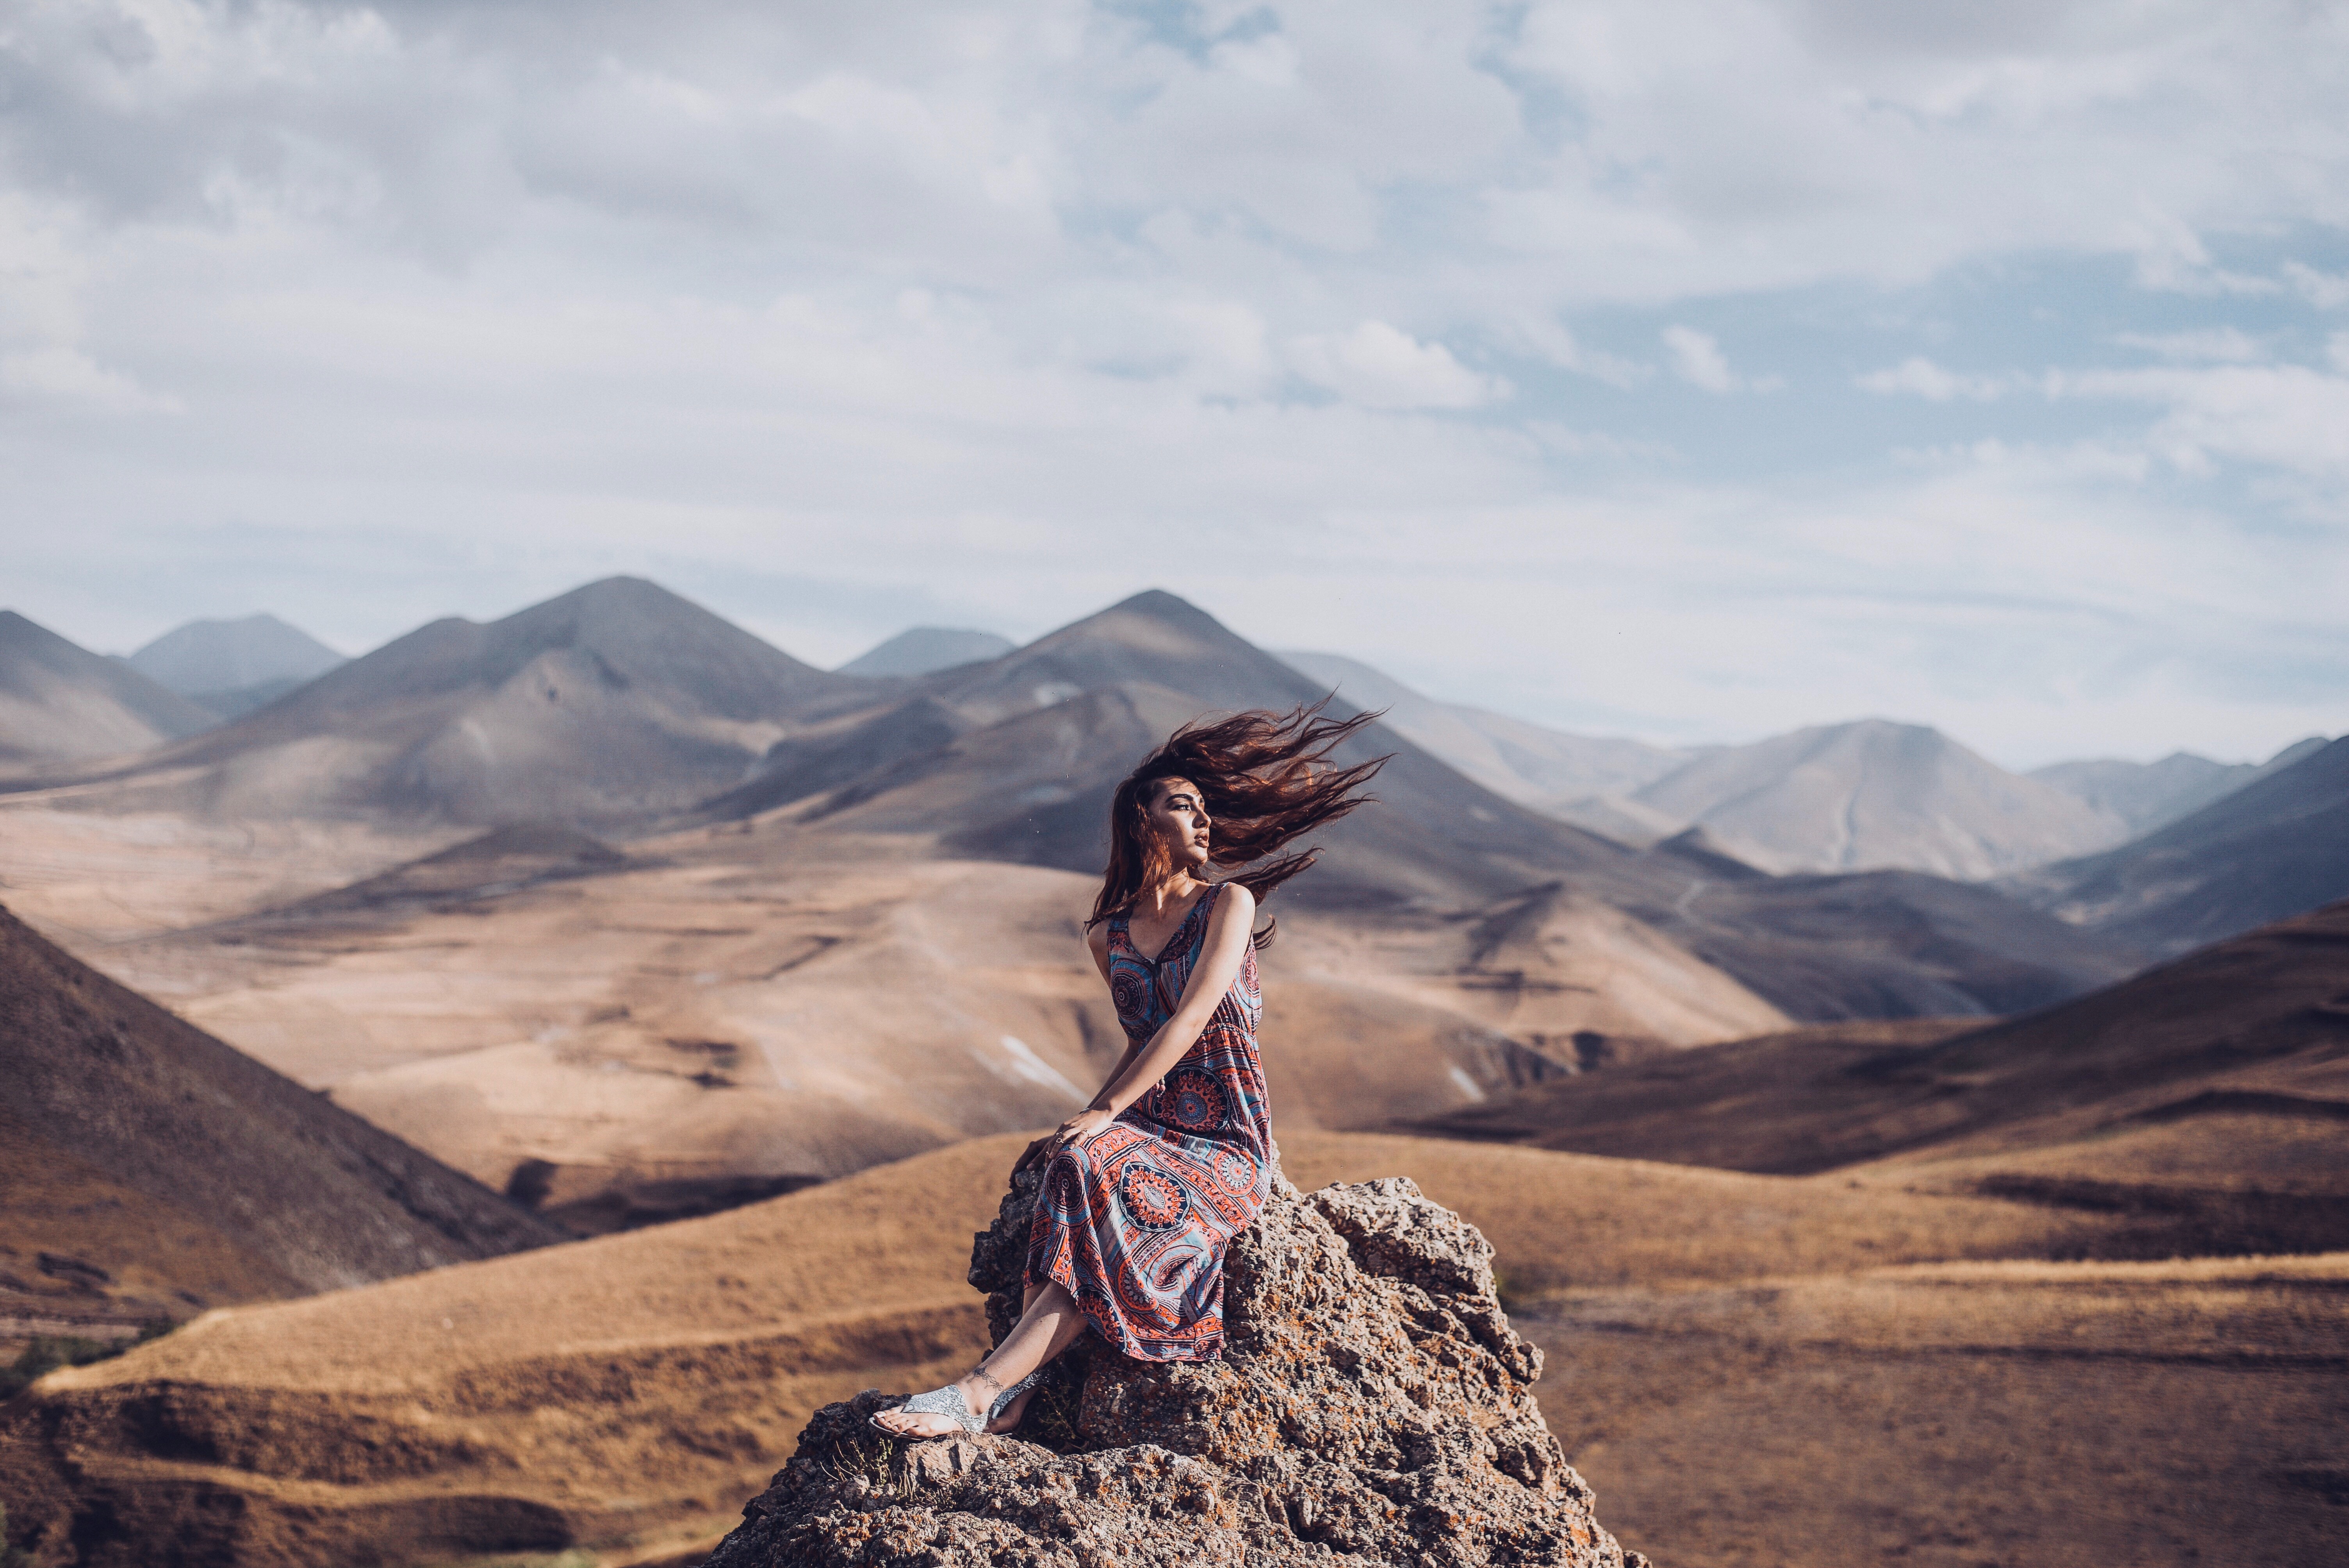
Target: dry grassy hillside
point(626, 1393)
point(152, 1171)
point(2251, 1029)
point(2072, 1415)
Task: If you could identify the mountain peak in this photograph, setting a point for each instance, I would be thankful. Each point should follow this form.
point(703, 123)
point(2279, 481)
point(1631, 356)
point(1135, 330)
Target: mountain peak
point(221, 655)
point(1872, 793)
point(1161, 605)
point(924, 650)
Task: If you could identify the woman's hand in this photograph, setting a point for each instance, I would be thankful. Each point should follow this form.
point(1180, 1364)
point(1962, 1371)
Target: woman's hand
point(1068, 1135)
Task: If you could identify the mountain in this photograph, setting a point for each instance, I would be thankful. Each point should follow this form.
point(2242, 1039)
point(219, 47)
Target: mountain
point(60, 703)
point(1527, 763)
point(613, 702)
point(921, 650)
point(1874, 794)
point(234, 666)
point(2274, 847)
point(2148, 795)
point(1015, 759)
point(152, 1168)
point(2225, 1067)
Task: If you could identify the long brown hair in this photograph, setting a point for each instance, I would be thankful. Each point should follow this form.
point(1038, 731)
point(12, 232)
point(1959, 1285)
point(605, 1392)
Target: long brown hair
point(1264, 781)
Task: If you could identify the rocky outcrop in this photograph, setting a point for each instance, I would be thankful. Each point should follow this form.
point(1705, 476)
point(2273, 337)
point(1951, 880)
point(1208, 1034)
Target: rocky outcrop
point(1372, 1405)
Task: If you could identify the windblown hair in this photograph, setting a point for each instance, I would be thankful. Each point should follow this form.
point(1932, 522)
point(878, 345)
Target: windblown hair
point(1265, 780)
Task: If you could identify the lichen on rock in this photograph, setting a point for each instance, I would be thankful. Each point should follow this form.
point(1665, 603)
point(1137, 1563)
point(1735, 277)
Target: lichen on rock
point(1372, 1405)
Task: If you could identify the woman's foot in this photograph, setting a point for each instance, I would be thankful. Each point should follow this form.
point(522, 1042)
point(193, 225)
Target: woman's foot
point(976, 1392)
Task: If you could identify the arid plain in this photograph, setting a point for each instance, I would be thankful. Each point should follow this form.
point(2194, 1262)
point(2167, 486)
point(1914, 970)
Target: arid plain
point(1903, 1288)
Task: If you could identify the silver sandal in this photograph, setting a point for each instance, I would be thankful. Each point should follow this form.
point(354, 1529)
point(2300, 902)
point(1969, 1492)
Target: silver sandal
point(948, 1402)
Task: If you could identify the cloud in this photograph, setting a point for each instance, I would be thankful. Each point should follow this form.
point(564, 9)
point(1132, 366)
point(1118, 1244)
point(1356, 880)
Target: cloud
point(2326, 291)
point(1921, 377)
point(2222, 343)
point(844, 321)
point(69, 378)
point(2293, 417)
point(1697, 359)
point(1379, 367)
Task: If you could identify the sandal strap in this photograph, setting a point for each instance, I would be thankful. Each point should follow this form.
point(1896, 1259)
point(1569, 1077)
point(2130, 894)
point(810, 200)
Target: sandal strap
point(994, 1406)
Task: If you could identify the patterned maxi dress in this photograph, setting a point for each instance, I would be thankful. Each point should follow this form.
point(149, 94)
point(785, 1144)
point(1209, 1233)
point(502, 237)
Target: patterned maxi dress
point(1133, 1223)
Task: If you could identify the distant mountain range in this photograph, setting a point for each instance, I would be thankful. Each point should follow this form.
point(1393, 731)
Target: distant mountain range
point(611, 703)
point(233, 667)
point(1866, 795)
point(2274, 847)
point(619, 705)
point(1015, 759)
point(2147, 795)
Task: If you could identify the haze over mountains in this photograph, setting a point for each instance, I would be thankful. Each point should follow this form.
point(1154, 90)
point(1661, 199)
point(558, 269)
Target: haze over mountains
point(1861, 796)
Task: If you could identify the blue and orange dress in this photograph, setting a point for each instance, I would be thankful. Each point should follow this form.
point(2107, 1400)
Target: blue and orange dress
point(1135, 1222)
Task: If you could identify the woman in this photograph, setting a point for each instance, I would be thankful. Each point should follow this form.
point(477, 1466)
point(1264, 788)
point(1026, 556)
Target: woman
point(1145, 1188)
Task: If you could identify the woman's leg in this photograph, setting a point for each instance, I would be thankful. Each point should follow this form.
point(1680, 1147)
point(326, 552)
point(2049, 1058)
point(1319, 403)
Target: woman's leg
point(1045, 1329)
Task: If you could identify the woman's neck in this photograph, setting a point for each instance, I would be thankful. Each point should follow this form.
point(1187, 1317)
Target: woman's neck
point(1175, 890)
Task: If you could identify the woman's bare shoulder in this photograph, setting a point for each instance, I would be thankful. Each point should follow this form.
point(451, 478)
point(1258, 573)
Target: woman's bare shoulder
point(1234, 903)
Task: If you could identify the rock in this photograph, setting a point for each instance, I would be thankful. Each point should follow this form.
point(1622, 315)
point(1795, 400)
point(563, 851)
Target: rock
point(1372, 1405)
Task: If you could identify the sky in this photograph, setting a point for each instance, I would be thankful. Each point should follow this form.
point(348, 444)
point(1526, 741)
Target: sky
point(1693, 371)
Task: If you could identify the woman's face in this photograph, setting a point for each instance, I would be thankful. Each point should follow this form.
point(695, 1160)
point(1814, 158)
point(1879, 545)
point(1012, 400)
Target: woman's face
point(1178, 815)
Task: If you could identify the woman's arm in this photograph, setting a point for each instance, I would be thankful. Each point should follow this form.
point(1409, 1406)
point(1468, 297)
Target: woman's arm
point(1229, 929)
